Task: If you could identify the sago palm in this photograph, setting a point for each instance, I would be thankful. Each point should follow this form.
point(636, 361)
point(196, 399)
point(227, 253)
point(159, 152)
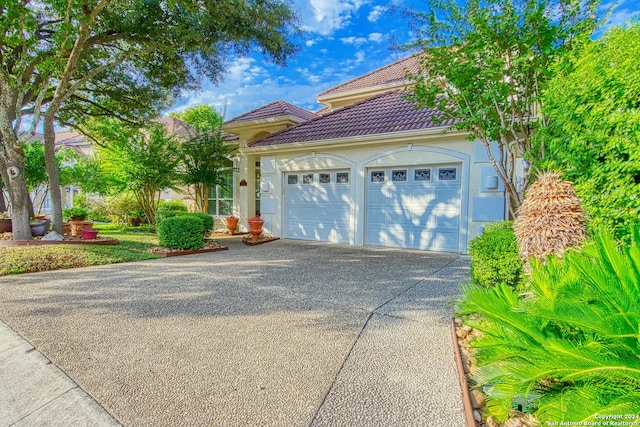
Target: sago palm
point(572, 345)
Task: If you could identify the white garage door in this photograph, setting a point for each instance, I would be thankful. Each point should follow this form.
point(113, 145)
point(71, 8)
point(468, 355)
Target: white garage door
point(414, 207)
point(318, 206)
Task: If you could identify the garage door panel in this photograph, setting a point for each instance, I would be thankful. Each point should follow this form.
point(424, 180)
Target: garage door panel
point(319, 211)
point(413, 213)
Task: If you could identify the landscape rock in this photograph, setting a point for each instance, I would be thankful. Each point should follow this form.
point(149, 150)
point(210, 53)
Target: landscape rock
point(478, 398)
point(52, 235)
point(461, 333)
point(477, 416)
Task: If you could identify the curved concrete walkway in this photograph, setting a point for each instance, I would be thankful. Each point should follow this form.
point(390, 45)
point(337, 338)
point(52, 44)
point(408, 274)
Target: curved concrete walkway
point(287, 333)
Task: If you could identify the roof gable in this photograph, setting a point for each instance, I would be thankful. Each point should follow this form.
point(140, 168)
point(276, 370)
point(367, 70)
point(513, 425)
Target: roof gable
point(275, 109)
point(385, 113)
point(394, 73)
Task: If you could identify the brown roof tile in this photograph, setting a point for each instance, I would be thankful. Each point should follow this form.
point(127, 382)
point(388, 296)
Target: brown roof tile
point(393, 73)
point(274, 109)
point(385, 113)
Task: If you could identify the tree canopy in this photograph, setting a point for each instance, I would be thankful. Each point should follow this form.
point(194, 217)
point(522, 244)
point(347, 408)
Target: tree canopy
point(66, 60)
point(203, 117)
point(484, 64)
point(593, 133)
point(141, 161)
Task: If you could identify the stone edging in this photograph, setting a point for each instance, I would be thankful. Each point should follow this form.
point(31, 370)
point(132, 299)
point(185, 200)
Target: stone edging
point(197, 251)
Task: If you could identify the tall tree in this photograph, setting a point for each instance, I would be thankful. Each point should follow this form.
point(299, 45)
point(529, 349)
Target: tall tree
point(593, 132)
point(485, 63)
point(203, 117)
point(62, 59)
point(143, 162)
point(202, 158)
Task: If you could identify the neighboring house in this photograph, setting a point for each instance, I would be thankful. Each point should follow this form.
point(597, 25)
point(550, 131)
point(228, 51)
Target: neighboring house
point(369, 169)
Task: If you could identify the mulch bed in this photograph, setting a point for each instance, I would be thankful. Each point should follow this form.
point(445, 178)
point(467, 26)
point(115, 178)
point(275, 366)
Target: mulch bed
point(250, 241)
point(210, 246)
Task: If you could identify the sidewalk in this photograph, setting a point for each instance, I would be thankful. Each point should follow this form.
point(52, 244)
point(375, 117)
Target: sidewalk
point(35, 392)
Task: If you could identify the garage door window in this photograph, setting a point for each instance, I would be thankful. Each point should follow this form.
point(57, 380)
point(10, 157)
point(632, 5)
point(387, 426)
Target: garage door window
point(422, 175)
point(342, 177)
point(307, 178)
point(447, 174)
point(399, 175)
point(292, 179)
point(325, 178)
point(377, 176)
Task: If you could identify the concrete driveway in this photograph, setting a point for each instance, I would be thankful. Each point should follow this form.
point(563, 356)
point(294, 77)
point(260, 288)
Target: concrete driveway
point(287, 333)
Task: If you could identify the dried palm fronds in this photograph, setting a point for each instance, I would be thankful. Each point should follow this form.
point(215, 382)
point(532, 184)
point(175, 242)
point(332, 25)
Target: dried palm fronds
point(550, 220)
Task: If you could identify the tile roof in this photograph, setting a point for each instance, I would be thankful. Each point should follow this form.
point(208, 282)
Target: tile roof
point(385, 113)
point(177, 127)
point(389, 74)
point(274, 109)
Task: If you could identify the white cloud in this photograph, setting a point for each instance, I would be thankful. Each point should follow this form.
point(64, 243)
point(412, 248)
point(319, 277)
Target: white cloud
point(375, 37)
point(326, 16)
point(310, 43)
point(376, 13)
point(353, 40)
point(243, 70)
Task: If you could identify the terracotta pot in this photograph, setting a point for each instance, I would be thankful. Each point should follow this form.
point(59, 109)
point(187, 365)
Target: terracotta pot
point(76, 226)
point(88, 233)
point(66, 227)
point(255, 228)
point(232, 224)
point(5, 225)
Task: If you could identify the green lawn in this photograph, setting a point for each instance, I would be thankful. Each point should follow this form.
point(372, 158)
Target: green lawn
point(133, 246)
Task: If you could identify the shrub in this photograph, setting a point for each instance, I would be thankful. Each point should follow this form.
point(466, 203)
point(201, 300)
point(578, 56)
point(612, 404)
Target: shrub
point(173, 205)
point(181, 232)
point(169, 209)
point(207, 220)
point(570, 347)
point(121, 207)
point(494, 256)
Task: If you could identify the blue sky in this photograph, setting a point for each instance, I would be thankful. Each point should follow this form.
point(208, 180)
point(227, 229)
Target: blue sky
point(345, 39)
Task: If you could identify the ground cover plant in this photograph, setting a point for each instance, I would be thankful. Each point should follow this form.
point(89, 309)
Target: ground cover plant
point(570, 346)
point(133, 246)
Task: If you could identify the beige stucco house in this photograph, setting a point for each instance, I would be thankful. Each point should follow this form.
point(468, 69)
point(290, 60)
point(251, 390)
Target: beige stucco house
point(369, 169)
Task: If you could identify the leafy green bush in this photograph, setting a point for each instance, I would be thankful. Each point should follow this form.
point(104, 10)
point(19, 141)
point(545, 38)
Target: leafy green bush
point(75, 214)
point(570, 346)
point(162, 214)
point(121, 207)
point(173, 205)
point(181, 232)
point(169, 209)
point(494, 256)
point(207, 220)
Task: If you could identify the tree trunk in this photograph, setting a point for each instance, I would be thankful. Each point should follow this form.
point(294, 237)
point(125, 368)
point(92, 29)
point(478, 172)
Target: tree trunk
point(54, 174)
point(20, 202)
point(3, 203)
point(12, 173)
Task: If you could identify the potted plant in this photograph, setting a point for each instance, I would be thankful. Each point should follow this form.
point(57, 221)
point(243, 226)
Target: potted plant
point(232, 224)
point(77, 216)
point(255, 226)
point(39, 227)
point(5, 223)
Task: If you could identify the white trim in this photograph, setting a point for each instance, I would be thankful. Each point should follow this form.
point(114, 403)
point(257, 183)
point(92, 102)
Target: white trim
point(464, 188)
point(391, 137)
